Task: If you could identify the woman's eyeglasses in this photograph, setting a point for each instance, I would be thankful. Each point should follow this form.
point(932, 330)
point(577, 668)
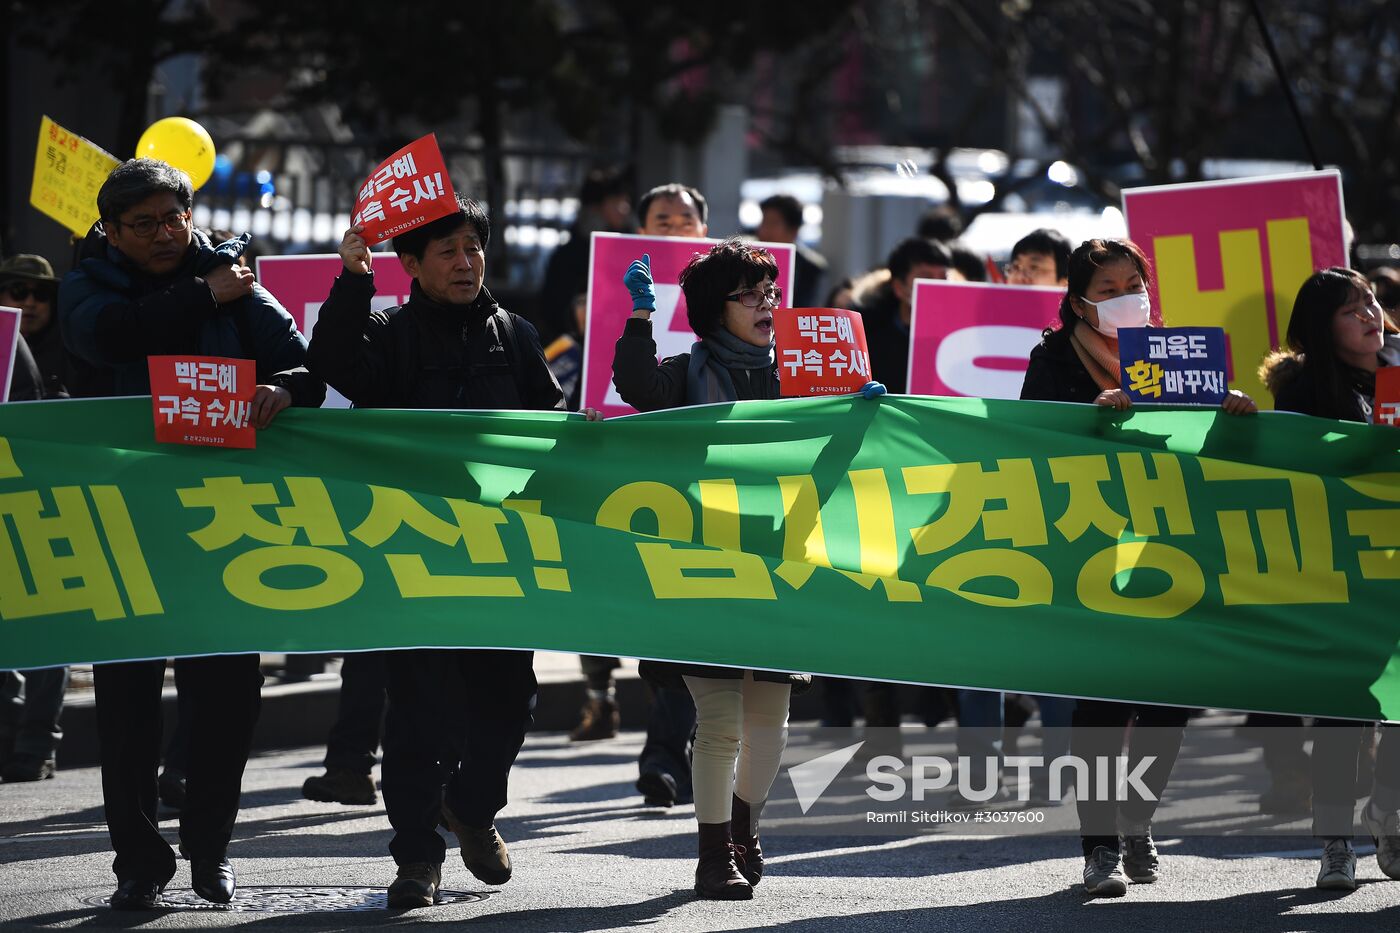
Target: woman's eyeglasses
point(753, 297)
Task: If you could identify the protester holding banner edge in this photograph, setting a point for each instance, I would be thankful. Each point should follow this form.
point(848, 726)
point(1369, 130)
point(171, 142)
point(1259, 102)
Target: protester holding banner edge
point(1338, 337)
point(450, 346)
point(741, 716)
point(1108, 284)
point(157, 286)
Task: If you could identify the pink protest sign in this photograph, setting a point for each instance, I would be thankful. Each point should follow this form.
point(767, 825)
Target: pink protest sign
point(9, 346)
point(301, 284)
point(974, 338)
point(1233, 254)
point(609, 304)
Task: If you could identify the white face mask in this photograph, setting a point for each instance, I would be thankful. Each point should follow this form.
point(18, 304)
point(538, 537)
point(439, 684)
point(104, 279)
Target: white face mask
point(1130, 310)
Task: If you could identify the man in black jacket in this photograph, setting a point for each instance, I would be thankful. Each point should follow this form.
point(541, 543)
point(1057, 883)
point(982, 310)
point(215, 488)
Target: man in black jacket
point(449, 346)
point(151, 285)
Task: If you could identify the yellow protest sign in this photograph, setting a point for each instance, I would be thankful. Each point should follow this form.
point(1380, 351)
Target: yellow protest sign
point(68, 170)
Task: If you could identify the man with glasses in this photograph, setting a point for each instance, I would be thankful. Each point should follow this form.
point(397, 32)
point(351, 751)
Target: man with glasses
point(1041, 257)
point(152, 285)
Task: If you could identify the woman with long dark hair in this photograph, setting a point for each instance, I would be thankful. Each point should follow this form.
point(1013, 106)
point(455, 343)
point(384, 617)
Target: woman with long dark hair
point(1077, 361)
point(741, 716)
point(1338, 337)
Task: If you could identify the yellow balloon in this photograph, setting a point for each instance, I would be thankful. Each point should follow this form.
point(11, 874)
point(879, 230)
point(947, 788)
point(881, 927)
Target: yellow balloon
point(181, 142)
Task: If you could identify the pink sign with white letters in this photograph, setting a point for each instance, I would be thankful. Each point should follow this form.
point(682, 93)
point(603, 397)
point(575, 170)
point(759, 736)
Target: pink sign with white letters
point(301, 284)
point(975, 339)
point(609, 304)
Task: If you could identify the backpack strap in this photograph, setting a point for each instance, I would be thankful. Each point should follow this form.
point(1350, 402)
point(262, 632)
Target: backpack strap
point(505, 331)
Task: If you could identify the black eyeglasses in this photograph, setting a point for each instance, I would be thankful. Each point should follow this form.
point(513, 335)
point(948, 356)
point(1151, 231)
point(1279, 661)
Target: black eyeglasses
point(21, 291)
point(752, 297)
point(146, 227)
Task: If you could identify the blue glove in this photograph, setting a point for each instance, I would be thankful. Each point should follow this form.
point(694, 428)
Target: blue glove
point(873, 389)
point(638, 282)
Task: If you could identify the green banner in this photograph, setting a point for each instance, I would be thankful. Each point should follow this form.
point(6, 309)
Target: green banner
point(1162, 555)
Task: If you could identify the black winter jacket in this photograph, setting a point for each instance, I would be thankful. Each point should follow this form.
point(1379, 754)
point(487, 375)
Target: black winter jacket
point(426, 355)
point(1056, 374)
point(113, 316)
point(1295, 388)
point(648, 386)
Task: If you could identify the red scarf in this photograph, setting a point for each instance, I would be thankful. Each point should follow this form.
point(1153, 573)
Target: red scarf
point(1099, 354)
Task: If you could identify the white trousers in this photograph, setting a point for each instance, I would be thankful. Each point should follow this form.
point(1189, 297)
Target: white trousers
point(740, 726)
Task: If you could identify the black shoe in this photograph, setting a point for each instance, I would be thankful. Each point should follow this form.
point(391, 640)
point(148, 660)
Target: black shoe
point(27, 768)
point(136, 895)
point(338, 785)
point(212, 879)
point(658, 789)
point(171, 788)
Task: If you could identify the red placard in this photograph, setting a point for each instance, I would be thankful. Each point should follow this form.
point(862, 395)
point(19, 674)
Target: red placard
point(408, 189)
point(821, 351)
point(203, 400)
point(1387, 396)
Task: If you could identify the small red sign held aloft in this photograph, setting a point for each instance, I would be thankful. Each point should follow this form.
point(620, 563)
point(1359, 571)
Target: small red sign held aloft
point(821, 351)
point(407, 190)
point(203, 400)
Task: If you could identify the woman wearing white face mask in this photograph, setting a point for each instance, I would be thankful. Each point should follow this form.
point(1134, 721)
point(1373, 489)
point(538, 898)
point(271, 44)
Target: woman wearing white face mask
point(1078, 362)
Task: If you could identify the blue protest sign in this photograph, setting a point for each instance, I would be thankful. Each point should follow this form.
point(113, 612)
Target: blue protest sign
point(1173, 364)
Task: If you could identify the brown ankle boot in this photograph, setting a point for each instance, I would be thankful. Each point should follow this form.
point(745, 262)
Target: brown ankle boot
point(717, 876)
point(743, 829)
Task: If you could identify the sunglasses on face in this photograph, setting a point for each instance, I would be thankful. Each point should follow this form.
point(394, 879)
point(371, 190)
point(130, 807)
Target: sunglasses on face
point(21, 291)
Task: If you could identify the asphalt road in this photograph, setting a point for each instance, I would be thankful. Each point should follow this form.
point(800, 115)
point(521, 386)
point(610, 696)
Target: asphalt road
point(589, 857)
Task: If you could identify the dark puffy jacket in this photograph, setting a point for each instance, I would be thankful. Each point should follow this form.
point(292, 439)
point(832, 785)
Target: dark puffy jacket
point(647, 386)
point(1056, 374)
point(426, 355)
point(1295, 387)
point(113, 316)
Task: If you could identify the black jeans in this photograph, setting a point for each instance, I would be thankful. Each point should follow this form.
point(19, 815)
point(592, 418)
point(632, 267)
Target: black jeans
point(1098, 732)
point(670, 731)
point(354, 738)
point(455, 722)
point(34, 701)
point(1336, 744)
point(224, 696)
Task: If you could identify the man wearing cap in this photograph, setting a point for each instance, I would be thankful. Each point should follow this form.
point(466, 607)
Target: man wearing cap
point(150, 284)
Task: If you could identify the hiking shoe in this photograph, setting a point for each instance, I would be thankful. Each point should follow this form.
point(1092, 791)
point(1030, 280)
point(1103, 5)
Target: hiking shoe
point(1140, 856)
point(1385, 832)
point(416, 886)
point(340, 786)
point(484, 852)
point(658, 789)
point(1338, 871)
point(1103, 873)
point(600, 719)
point(27, 768)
